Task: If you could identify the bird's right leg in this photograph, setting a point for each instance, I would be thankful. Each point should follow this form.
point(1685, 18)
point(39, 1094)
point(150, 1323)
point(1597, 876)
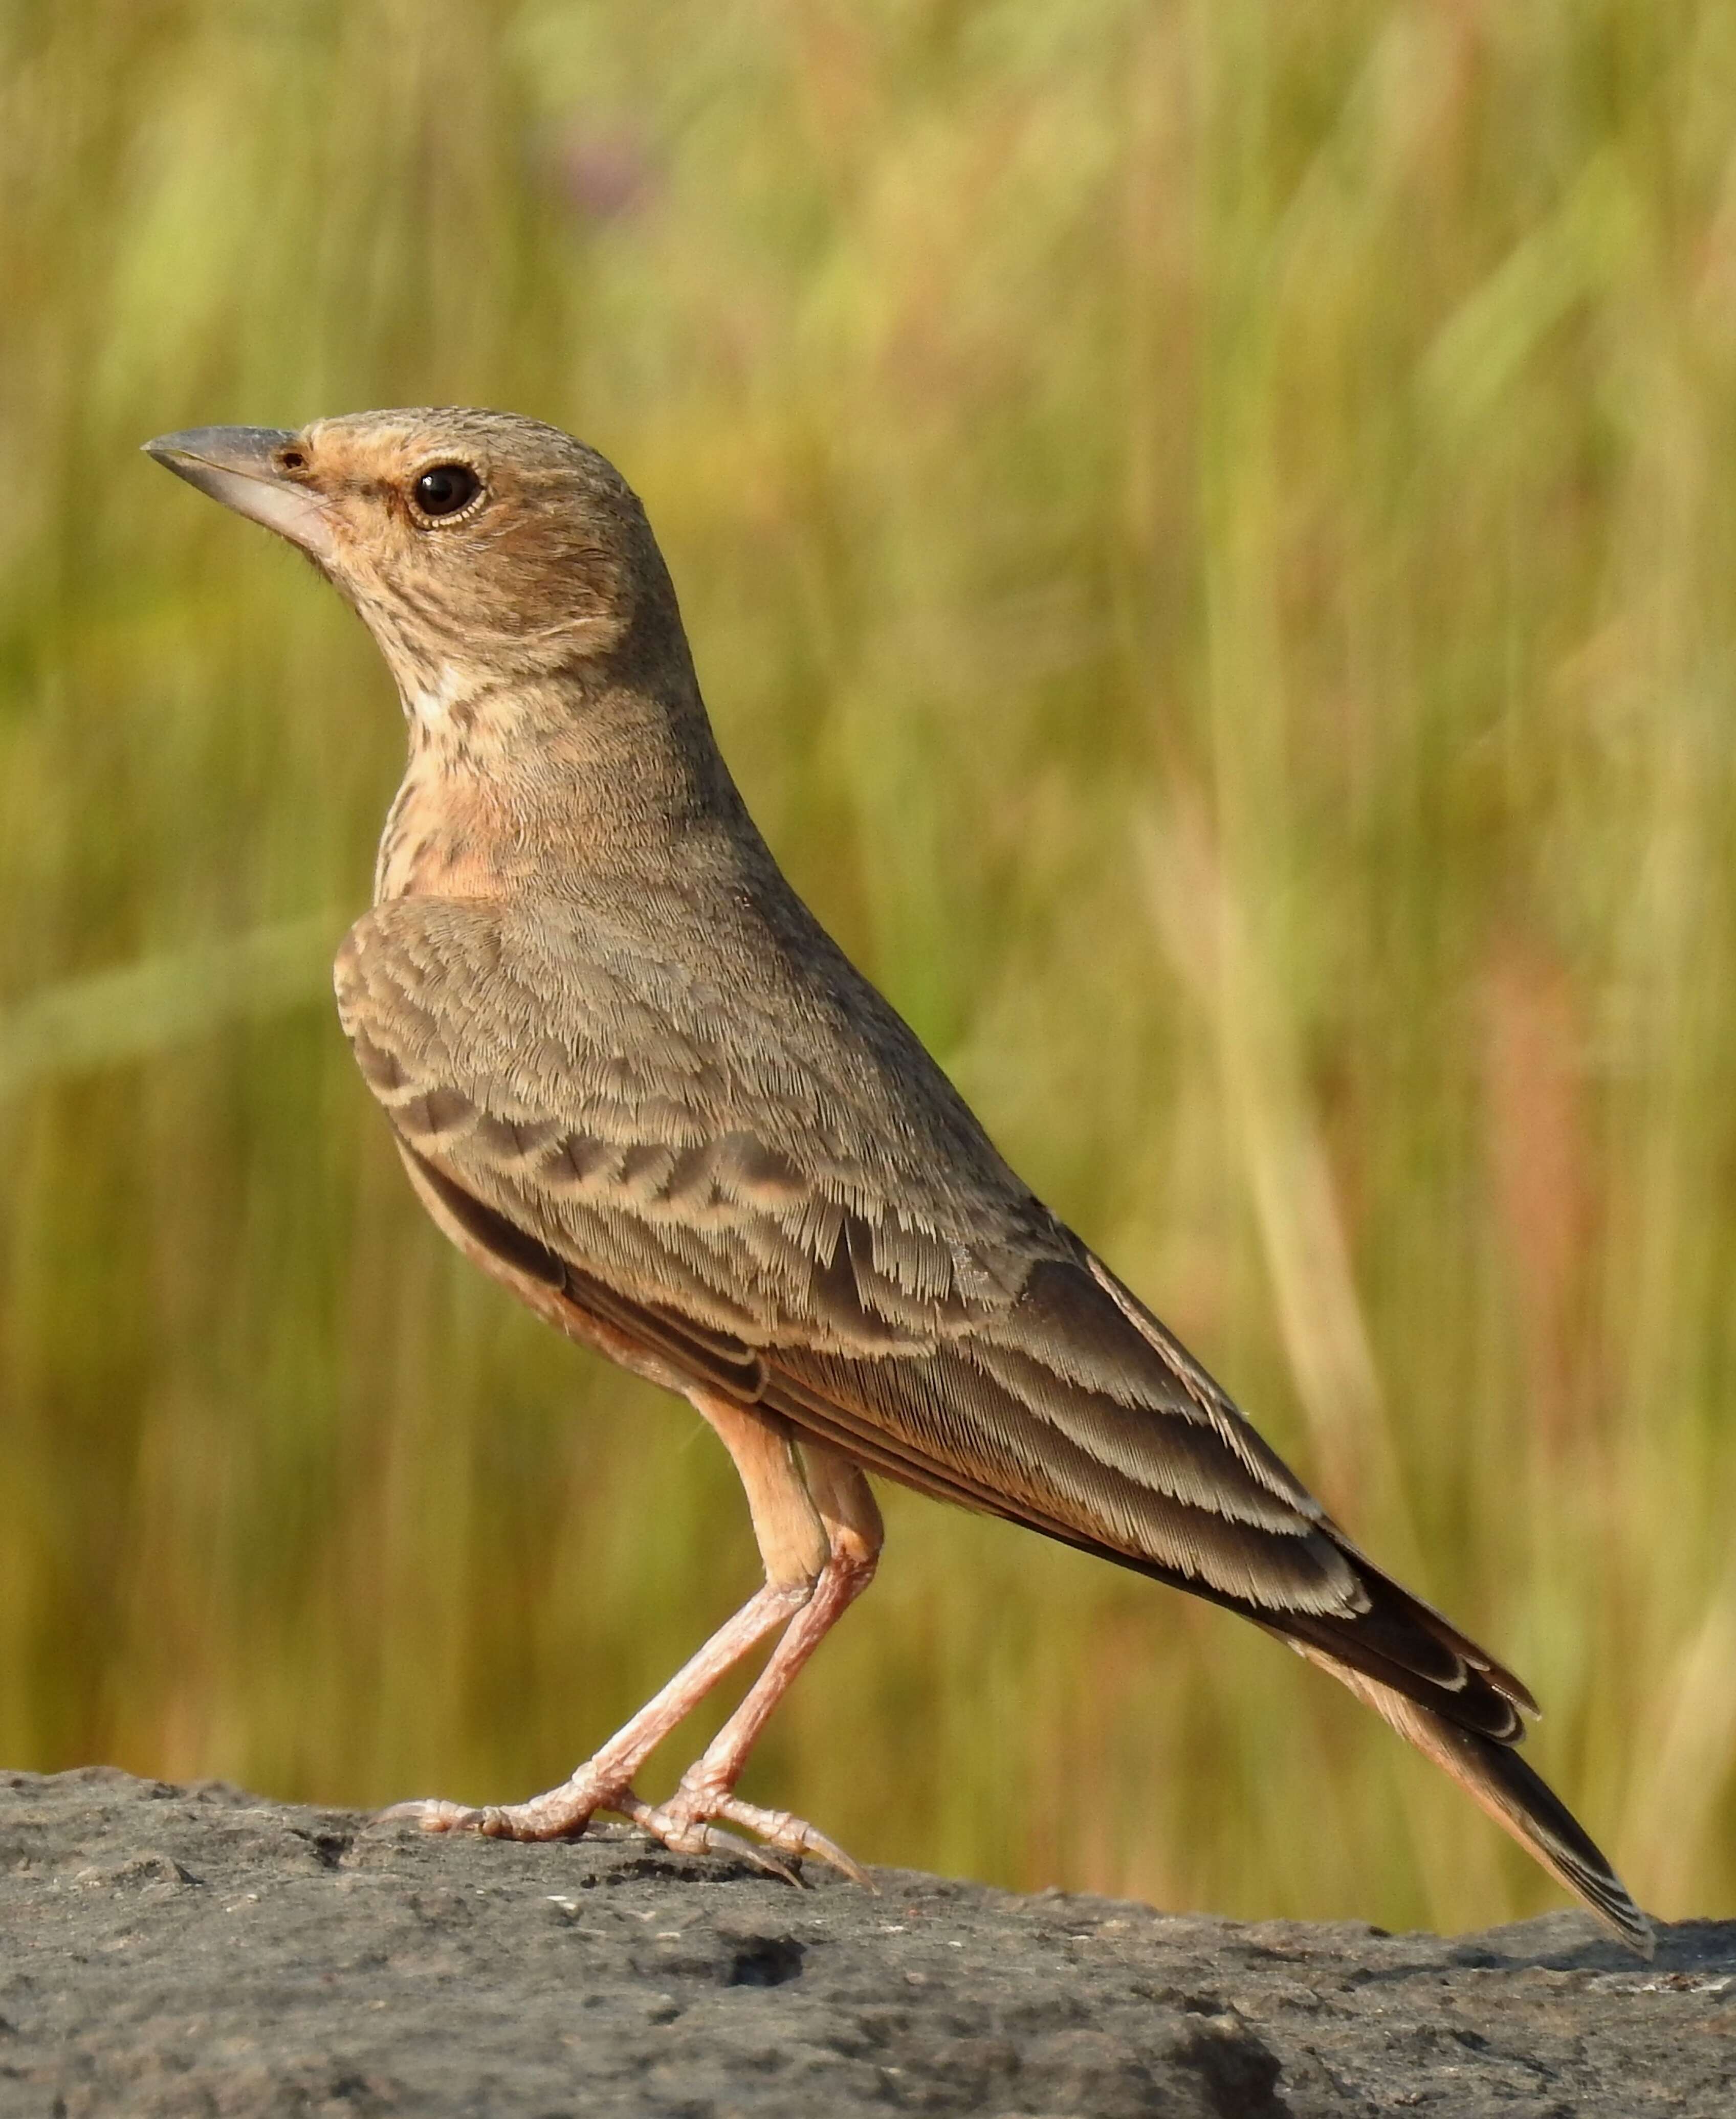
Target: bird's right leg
point(688, 1821)
point(794, 1543)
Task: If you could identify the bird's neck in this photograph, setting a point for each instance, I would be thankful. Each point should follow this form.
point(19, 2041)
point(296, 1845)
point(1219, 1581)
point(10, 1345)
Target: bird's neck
point(525, 787)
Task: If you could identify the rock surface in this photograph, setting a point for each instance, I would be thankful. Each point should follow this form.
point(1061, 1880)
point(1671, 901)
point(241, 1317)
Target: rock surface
point(170, 1950)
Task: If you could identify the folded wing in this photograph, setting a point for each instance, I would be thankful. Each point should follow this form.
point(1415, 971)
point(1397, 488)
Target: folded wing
point(969, 1346)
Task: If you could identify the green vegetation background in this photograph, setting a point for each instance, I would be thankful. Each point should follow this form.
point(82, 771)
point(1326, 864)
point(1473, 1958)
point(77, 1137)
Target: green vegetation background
point(1210, 535)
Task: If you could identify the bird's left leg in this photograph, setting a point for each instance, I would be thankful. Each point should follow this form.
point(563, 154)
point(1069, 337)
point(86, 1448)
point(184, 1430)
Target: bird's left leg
point(707, 1794)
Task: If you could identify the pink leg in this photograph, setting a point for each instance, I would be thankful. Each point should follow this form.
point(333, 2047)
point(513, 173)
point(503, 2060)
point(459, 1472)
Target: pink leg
point(820, 1547)
point(604, 1781)
point(707, 1791)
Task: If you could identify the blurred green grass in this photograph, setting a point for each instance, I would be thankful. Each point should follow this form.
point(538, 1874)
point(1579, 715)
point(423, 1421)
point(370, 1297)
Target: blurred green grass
point(1208, 532)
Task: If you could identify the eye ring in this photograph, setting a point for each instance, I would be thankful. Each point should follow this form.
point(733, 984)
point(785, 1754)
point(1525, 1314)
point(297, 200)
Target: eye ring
point(444, 492)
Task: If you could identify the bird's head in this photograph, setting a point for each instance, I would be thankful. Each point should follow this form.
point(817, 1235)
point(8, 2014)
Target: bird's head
point(479, 547)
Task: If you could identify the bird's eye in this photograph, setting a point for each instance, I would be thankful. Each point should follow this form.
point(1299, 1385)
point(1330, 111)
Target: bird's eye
point(446, 488)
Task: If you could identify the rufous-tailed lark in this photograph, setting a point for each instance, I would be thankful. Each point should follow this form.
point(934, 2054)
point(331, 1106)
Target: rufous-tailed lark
point(632, 1077)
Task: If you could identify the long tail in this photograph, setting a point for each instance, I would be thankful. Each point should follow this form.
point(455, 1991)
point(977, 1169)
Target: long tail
point(1495, 1776)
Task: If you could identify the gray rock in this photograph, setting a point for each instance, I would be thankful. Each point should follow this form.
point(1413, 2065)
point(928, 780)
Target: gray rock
point(196, 1950)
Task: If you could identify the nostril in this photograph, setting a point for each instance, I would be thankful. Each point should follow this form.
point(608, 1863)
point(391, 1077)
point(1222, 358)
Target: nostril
point(291, 460)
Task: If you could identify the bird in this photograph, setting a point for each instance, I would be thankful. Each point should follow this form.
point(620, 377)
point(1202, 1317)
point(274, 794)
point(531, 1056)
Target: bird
point(632, 1077)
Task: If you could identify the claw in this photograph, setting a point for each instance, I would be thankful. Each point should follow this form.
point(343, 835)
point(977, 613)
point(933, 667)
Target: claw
point(692, 1822)
point(793, 1837)
point(434, 1814)
point(683, 1834)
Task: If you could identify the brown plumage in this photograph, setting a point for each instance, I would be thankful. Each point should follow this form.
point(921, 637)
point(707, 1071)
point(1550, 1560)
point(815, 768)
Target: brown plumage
point(631, 1076)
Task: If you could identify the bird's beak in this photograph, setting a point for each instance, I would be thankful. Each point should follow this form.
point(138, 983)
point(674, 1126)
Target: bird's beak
point(239, 466)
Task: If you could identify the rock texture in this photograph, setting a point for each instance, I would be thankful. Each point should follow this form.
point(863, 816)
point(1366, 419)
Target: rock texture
point(170, 1950)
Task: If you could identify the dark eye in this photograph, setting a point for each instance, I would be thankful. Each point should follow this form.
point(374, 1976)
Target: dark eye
point(446, 488)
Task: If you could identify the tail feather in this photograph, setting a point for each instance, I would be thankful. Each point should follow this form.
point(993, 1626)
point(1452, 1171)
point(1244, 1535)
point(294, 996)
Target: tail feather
point(1399, 1642)
point(1495, 1777)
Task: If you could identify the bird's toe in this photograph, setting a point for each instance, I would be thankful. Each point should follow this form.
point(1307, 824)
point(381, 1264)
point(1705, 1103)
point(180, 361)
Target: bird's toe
point(694, 1821)
point(793, 1837)
point(683, 1830)
point(433, 1813)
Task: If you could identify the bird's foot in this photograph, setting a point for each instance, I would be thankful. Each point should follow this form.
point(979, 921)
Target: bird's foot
point(691, 1821)
point(562, 1813)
